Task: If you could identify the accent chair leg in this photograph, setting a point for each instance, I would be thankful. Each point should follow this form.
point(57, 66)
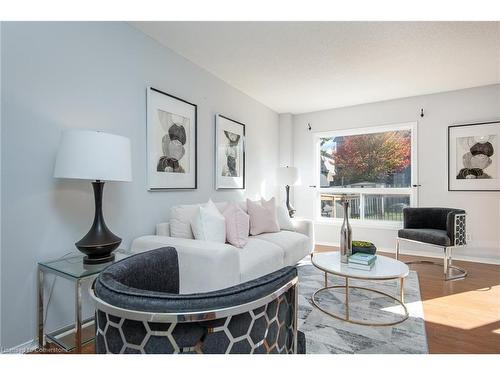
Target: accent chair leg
point(397, 249)
point(450, 258)
point(445, 263)
point(460, 272)
point(448, 267)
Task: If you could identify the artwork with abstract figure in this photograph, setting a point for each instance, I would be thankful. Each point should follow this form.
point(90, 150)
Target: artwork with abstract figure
point(232, 152)
point(175, 159)
point(171, 142)
point(229, 153)
point(476, 157)
point(473, 163)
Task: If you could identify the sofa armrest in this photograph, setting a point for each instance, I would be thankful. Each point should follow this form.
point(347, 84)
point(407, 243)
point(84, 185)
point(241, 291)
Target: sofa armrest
point(305, 227)
point(204, 266)
point(163, 229)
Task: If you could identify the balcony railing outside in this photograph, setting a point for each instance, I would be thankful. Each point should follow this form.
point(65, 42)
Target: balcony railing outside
point(383, 207)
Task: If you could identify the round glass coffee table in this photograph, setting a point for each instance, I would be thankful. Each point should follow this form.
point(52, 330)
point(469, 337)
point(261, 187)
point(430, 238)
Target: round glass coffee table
point(384, 269)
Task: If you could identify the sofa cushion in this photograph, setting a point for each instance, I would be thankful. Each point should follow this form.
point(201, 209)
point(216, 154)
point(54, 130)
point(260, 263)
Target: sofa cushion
point(200, 262)
point(284, 220)
point(432, 236)
point(223, 205)
point(295, 245)
point(259, 258)
point(180, 220)
point(263, 217)
point(237, 225)
point(181, 216)
point(209, 224)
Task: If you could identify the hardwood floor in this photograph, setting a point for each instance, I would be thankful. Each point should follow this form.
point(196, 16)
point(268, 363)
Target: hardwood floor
point(461, 316)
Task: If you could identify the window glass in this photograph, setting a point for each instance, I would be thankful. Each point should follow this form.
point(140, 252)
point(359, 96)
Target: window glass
point(331, 207)
point(385, 206)
point(376, 160)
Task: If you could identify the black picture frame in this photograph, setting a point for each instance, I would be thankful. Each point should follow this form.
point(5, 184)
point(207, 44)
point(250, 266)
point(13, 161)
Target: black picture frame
point(237, 183)
point(194, 133)
point(449, 157)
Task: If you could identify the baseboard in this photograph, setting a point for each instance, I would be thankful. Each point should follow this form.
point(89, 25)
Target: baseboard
point(27, 347)
point(427, 254)
point(32, 345)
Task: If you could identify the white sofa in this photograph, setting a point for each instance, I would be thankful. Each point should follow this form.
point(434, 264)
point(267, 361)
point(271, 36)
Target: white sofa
point(206, 266)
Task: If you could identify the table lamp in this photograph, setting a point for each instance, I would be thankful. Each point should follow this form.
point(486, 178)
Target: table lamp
point(98, 157)
point(288, 176)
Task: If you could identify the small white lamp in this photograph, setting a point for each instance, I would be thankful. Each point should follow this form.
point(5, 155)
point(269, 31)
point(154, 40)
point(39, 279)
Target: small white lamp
point(99, 157)
point(288, 176)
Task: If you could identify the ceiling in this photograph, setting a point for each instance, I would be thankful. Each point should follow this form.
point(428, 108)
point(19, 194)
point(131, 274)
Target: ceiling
point(297, 67)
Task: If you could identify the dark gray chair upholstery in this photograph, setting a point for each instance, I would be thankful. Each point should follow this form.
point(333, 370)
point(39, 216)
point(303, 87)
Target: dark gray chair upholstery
point(430, 236)
point(139, 310)
point(441, 227)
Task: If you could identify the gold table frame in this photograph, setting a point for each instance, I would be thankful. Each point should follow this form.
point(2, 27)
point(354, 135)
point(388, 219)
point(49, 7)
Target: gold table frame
point(347, 287)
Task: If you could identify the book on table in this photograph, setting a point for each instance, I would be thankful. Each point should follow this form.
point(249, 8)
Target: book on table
point(364, 267)
point(362, 259)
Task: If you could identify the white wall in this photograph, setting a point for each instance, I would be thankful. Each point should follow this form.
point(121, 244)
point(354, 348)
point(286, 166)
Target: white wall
point(286, 139)
point(94, 76)
point(1, 27)
point(441, 110)
point(285, 147)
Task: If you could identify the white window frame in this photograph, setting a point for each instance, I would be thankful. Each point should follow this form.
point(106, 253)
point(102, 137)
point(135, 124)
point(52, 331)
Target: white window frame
point(412, 191)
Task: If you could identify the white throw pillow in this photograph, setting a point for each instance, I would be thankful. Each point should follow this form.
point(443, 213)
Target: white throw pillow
point(209, 224)
point(180, 220)
point(284, 219)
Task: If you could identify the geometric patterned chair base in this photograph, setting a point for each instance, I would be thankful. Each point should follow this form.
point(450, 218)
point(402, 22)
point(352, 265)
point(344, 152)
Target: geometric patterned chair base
point(259, 316)
point(437, 227)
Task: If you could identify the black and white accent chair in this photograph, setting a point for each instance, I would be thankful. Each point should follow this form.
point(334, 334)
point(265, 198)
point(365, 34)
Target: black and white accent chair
point(439, 227)
point(139, 310)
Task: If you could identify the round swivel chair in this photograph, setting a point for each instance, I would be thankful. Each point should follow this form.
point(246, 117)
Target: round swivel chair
point(139, 310)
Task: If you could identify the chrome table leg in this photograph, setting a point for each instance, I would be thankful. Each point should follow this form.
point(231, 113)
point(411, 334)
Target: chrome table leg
point(78, 317)
point(41, 335)
point(296, 317)
point(347, 298)
point(402, 290)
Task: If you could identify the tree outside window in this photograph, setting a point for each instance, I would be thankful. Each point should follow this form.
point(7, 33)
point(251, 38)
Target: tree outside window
point(375, 166)
point(367, 160)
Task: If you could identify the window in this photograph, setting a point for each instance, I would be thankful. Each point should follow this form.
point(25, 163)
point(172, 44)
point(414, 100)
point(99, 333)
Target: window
point(376, 165)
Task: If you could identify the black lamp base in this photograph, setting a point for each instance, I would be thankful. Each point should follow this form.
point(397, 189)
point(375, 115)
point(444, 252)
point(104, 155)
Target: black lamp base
point(90, 260)
point(291, 210)
point(99, 243)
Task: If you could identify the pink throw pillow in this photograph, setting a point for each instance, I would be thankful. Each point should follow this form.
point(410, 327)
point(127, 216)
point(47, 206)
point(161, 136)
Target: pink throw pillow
point(263, 218)
point(237, 225)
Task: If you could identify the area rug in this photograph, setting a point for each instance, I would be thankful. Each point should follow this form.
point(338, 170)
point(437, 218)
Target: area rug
point(325, 334)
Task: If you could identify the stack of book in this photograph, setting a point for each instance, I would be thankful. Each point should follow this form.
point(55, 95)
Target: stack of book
point(362, 261)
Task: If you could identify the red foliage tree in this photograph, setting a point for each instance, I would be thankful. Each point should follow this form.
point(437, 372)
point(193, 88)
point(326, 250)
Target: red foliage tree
point(371, 157)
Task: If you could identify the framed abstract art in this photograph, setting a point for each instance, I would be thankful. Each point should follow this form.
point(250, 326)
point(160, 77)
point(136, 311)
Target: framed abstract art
point(171, 142)
point(473, 157)
point(229, 153)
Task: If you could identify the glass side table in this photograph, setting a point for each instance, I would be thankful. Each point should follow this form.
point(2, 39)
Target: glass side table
point(71, 268)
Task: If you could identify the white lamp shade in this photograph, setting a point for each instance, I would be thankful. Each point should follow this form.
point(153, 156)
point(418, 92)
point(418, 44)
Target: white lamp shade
point(92, 155)
point(288, 176)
